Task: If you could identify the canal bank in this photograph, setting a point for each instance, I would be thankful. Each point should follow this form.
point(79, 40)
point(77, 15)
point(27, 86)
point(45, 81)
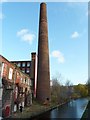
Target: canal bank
point(49, 108)
point(86, 112)
point(37, 111)
point(34, 110)
point(73, 109)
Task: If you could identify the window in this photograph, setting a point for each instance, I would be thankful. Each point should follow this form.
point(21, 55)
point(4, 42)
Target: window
point(28, 81)
point(23, 89)
point(19, 64)
point(24, 80)
point(10, 73)
point(16, 92)
point(28, 71)
point(21, 79)
point(23, 65)
point(4, 69)
point(1, 69)
point(23, 71)
point(17, 77)
point(31, 83)
point(28, 64)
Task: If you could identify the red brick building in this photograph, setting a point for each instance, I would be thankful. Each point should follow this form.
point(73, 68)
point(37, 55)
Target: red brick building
point(29, 67)
point(16, 87)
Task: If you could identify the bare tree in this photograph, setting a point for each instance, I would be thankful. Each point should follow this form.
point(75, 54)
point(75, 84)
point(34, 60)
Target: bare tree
point(69, 87)
point(55, 91)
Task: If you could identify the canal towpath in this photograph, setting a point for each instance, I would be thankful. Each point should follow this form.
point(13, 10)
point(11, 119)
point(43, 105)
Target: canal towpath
point(38, 109)
point(34, 110)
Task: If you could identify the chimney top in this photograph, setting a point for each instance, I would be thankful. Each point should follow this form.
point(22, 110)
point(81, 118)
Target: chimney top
point(43, 3)
point(33, 53)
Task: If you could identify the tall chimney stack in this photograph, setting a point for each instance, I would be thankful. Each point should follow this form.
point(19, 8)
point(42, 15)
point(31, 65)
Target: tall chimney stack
point(43, 73)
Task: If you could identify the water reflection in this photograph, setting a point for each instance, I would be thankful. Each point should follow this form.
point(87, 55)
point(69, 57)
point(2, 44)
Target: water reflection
point(73, 109)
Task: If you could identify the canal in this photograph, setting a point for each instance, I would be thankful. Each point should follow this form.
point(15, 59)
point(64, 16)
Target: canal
point(73, 109)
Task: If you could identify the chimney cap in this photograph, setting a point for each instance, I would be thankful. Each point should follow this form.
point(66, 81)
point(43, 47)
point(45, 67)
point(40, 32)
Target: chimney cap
point(43, 3)
point(33, 53)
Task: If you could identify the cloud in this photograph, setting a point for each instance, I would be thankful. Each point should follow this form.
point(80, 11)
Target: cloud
point(25, 35)
point(22, 32)
point(75, 35)
point(57, 54)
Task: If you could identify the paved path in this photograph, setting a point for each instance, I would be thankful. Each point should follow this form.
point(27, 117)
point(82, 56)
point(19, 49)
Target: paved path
point(28, 112)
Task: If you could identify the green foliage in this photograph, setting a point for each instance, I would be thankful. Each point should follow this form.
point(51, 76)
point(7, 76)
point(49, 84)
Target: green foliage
point(60, 93)
point(81, 90)
point(75, 95)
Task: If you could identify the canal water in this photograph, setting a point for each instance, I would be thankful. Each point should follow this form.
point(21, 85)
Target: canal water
point(73, 109)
